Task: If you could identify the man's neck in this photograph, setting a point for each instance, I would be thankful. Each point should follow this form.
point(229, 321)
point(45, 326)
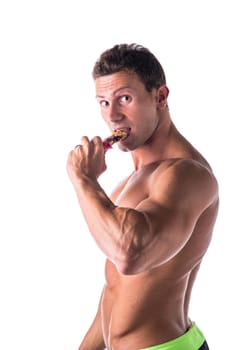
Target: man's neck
point(157, 147)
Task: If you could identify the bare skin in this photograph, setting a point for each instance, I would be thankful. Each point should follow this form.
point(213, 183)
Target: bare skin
point(157, 225)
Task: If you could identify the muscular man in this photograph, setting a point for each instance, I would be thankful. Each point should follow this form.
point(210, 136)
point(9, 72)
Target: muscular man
point(157, 225)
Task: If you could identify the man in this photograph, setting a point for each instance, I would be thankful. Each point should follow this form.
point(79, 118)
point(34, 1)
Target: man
point(157, 225)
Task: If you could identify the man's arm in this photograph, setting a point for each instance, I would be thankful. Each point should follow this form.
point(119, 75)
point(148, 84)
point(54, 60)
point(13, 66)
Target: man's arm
point(94, 340)
point(109, 224)
point(138, 239)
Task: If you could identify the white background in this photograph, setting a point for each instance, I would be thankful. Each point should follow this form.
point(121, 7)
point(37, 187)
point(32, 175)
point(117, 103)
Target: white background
point(51, 272)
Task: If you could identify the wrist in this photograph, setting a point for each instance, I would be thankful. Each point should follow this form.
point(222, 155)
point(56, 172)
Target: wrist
point(84, 184)
point(84, 179)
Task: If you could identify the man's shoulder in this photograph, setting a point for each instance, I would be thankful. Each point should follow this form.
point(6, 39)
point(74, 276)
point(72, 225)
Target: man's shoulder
point(184, 176)
point(182, 167)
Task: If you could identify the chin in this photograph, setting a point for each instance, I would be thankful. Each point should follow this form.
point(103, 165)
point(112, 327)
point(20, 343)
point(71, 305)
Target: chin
point(123, 148)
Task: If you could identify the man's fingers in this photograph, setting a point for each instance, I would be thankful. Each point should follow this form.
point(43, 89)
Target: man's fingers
point(97, 140)
point(87, 145)
point(85, 141)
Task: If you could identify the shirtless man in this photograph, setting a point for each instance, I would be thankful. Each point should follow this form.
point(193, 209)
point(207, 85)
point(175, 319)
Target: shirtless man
point(157, 225)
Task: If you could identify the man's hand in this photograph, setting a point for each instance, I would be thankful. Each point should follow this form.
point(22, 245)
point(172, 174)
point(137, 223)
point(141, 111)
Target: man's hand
point(86, 160)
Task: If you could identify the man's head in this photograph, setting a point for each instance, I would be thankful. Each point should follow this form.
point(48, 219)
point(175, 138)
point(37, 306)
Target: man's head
point(131, 58)
point(131, 91)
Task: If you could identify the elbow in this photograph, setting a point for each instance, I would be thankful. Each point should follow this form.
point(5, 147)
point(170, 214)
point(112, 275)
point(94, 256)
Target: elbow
point(133, 243)
point(126, 268)
point(129, 258)
point(130, 265)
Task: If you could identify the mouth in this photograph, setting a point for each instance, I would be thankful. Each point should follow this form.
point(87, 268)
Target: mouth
point(121, 133)
point(118, 134)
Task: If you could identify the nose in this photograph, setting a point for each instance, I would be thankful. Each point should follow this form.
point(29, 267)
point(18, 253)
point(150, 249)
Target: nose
point(113, 113)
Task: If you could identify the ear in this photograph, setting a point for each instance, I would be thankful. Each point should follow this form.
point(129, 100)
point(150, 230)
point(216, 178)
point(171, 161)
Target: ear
point(161, 96)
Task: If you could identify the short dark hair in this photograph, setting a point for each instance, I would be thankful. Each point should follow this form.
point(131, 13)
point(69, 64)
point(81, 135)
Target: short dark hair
point(131, 58)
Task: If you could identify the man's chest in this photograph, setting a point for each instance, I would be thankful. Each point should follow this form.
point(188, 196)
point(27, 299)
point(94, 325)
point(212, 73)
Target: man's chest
point(132, 192)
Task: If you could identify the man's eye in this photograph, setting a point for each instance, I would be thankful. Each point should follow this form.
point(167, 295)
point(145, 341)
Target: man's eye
point(125, 98)
point(104, 103)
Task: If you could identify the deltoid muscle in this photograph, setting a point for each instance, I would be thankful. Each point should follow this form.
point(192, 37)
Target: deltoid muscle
point(117, 135)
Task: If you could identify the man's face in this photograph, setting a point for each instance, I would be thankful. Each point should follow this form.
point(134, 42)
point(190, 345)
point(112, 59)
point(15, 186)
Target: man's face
point(125, 102)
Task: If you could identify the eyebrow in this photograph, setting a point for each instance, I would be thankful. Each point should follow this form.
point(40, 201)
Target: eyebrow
point(116, 91)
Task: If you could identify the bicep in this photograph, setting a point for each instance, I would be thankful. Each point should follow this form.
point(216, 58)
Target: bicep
point(169, 230)
point(174, 204)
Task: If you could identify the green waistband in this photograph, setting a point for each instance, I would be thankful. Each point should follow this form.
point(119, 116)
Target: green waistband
point(191, 340)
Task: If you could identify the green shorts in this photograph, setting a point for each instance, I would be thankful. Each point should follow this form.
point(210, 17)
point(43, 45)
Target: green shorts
point(191, 340)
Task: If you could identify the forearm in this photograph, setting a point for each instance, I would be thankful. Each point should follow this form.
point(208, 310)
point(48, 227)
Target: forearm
point(116, 230)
